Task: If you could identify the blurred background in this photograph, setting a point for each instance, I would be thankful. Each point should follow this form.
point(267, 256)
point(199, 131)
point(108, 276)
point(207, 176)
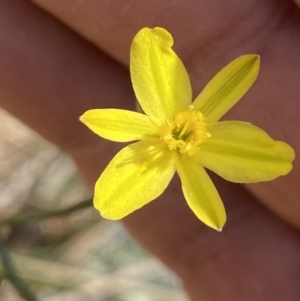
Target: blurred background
point(59, 251)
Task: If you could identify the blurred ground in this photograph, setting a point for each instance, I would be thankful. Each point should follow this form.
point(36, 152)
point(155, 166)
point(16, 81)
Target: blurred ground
point(78, 257)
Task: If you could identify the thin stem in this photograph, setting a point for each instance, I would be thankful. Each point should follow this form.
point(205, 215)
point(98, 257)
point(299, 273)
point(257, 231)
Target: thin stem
point(45, 214)
point(11, 274)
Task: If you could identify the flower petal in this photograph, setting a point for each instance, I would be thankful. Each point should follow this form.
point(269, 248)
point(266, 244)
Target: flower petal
point(200, 193)
point(242, 153)
point(159, 78)
point(228, 87)
point(119, 125)
point(138, 174)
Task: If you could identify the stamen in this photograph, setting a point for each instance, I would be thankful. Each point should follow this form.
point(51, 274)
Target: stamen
point(188, 147)
point(183, 130)
point(186, 132)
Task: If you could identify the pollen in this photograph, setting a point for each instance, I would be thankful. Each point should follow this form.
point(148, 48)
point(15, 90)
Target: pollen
point(186, 132)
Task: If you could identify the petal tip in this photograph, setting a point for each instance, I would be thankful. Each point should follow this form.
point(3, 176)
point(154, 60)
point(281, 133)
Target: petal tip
point(165, 37)
point(252, 56)
point(219, 229)
point(82, 118)
point(253, 59)
point(109, 216)
point(219, 225)
point(108, 213)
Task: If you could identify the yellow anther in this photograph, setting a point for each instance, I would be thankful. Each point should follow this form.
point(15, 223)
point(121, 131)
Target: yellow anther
point(188, 147)
point(186, 132)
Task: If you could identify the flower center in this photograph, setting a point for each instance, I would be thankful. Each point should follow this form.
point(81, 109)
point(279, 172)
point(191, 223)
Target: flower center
point(186, 132)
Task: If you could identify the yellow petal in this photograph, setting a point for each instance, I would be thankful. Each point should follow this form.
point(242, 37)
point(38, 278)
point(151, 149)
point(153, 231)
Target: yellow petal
point(159, 79)
point(119, 125)
point(228, 87)
point(200, 193)
point(242, 153)
point(138, 174)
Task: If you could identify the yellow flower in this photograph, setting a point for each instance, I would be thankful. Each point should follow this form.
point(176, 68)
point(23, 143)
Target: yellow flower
point(177, 134)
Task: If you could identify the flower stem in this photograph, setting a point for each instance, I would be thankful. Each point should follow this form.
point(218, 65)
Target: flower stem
point(45, 214)
point(11, 274)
